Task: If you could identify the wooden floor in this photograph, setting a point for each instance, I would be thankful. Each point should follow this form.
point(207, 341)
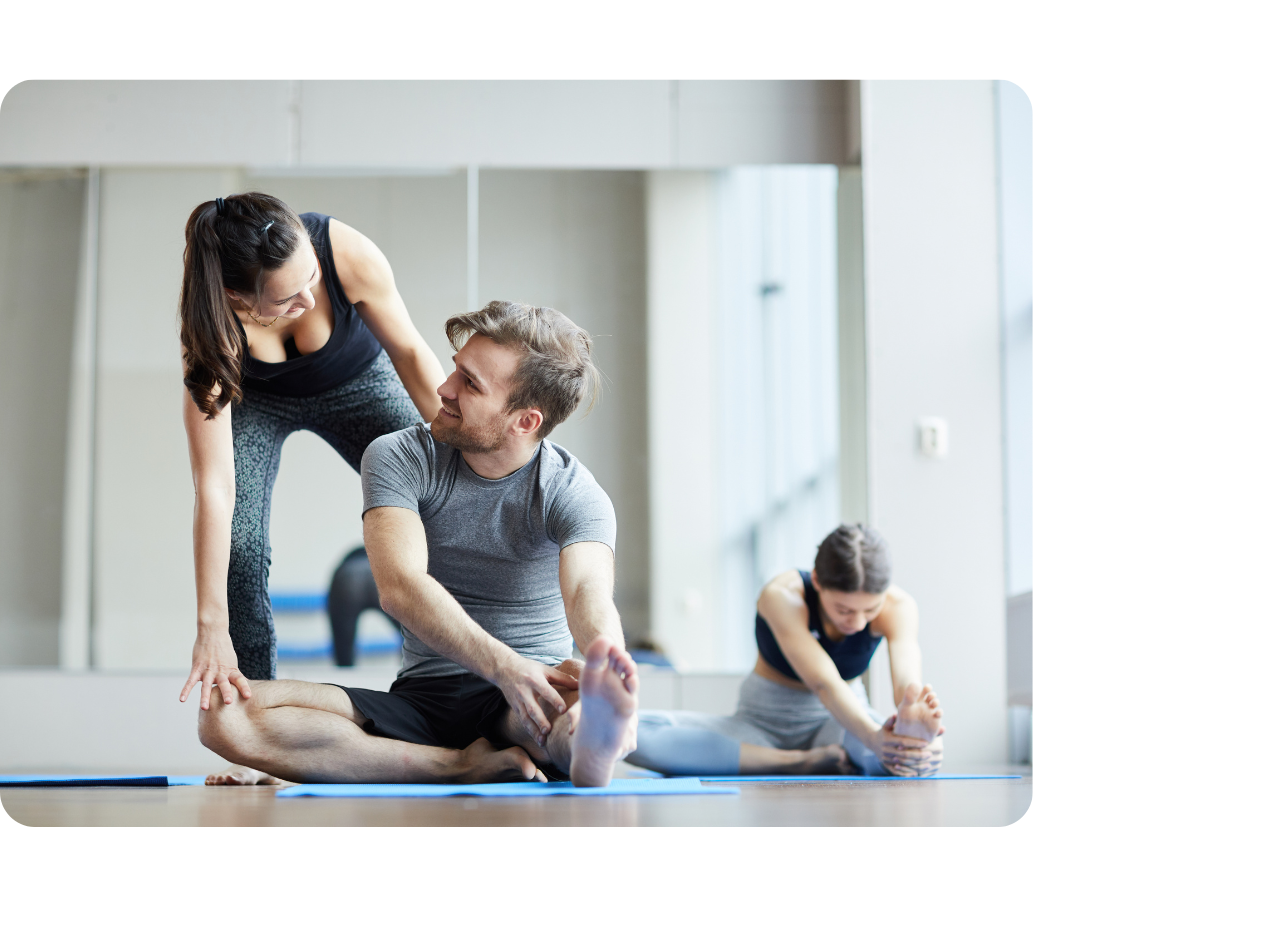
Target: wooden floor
point(876, 802)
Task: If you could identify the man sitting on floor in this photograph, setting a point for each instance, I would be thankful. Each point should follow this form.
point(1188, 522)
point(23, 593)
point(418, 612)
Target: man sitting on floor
point(521, 540)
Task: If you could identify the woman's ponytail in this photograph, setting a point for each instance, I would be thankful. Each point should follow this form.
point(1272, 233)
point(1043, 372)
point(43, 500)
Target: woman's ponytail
point(232, 243)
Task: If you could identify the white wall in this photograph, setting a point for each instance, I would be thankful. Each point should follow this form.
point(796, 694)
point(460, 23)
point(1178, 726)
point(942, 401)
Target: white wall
point(147, 123)
point(933, 348)
point(685, 575)
point(552, 124)
point(39, 252)
point(144, 582)
point(776, 403)
point(1013, 127)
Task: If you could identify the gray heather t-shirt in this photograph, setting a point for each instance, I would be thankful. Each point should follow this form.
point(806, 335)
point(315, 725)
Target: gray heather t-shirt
point(494, 544)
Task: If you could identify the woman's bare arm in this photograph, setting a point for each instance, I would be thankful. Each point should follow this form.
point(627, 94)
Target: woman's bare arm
point(369, 283)
point(784, 610)
point(213, 474)
point(899, 624)
point(788, 617)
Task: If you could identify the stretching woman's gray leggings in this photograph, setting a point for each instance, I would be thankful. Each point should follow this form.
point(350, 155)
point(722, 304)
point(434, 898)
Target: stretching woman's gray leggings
point(348, 417)
point(769, 714)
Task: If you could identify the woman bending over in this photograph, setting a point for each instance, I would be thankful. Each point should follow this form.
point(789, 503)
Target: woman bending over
point(288, 322)
point(802, 710)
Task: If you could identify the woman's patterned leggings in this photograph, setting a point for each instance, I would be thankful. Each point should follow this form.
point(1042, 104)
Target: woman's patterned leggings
point(348, 417)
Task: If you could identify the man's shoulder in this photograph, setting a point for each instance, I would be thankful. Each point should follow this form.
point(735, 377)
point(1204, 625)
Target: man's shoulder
point(559, 468)
point(413, 444)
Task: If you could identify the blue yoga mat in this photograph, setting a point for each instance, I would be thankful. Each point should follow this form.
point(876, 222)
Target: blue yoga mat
point(69, 780)
point(832, 778)
point(623, 787)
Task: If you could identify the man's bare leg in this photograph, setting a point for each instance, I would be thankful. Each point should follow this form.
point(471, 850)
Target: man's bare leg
point(312, 733)
point(754, 759)
point(599, 726)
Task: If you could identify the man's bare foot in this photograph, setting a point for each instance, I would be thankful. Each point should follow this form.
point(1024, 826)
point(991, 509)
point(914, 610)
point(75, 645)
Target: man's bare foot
point(608, 691)
point(482, 763)
point(919, 715)
point(832, 759)
point(238, 776)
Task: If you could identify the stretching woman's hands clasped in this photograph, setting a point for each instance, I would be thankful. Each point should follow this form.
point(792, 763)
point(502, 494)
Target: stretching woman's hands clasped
point(907, 757)
point(214, 663)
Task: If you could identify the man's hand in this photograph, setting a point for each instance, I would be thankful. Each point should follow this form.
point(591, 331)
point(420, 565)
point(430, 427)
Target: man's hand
point(524, 682)
point(214, 663)
point(907, 757)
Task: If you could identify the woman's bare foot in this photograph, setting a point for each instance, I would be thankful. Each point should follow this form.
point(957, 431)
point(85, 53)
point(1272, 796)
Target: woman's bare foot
point(606, 729)
point(482, 763)
point(832, 759)
point(919, 715)
point(238, 776)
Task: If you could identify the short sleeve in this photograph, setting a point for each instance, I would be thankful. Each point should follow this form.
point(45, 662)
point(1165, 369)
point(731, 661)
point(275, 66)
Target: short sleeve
point(581, 511)
point(396, 469)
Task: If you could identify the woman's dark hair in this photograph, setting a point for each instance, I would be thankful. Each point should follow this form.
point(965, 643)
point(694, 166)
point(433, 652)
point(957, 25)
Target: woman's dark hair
point(853, 558)
point(232, 243)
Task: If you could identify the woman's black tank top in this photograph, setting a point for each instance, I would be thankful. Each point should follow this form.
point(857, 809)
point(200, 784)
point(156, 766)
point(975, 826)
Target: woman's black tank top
point(350, 350)
point(851, 655)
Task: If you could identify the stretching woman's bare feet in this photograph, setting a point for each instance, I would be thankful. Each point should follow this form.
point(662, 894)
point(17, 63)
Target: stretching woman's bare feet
point(919, 715)
point(832, 759)
point(606, 729)
point(238, 776)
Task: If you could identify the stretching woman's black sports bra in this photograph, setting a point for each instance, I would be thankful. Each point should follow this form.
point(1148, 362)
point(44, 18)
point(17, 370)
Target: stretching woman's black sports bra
point(851, 655)
point(350, 350)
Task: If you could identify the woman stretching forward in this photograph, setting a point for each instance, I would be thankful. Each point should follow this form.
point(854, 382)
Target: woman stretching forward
point(799, 711)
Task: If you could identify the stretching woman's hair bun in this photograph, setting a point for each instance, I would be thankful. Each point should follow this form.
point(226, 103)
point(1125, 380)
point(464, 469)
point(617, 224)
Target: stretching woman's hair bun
point(853, 558)
point(232, 243)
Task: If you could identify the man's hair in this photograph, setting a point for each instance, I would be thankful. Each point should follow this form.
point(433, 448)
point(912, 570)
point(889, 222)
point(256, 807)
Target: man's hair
point(555, 370)
point(852, 559)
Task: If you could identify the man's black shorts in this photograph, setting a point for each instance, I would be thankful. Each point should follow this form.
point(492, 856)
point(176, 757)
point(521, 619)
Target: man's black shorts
point(441, 711)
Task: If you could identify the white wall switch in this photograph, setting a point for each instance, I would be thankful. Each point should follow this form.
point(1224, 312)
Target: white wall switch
point(933, 437)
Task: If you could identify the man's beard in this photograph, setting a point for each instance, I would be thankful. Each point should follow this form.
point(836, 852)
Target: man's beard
point(482, 440)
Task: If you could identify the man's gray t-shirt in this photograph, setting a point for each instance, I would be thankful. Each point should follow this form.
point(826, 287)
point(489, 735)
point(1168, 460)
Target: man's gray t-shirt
point(493, 544)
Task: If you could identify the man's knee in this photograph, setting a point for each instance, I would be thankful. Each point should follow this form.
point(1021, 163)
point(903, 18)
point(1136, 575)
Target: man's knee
point(223, 726)
point(572, 666)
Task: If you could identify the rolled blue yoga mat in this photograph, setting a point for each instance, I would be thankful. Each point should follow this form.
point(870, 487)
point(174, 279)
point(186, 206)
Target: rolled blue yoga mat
point(831, 778)
point(69, 780)
point(623, 787)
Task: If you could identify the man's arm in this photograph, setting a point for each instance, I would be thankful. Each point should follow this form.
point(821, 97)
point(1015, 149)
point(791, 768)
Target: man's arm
point(397, 547)
point(586, 584)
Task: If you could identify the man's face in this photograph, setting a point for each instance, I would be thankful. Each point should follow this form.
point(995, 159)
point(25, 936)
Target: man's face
point(473, 414)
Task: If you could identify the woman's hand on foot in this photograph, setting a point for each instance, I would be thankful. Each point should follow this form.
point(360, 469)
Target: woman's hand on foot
point(913, 762)
point(901, 755)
